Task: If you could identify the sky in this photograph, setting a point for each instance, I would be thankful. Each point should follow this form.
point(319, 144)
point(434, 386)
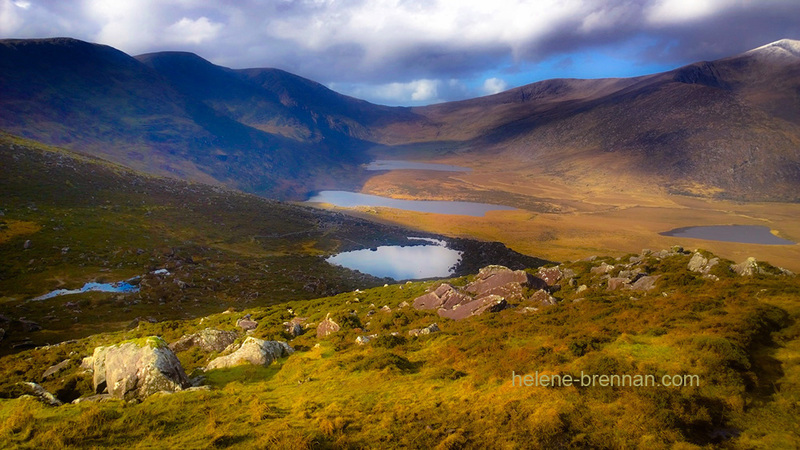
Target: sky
point(416, 52)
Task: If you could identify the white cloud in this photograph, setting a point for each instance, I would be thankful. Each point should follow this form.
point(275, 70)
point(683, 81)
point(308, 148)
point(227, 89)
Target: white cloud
point(494, 85)
point(10, 19)
point(676, 11)
point(188, 31)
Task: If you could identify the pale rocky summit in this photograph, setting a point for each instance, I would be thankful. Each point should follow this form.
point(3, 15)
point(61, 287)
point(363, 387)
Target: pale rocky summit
point(137, 369)
point(208, 340)
point(253, 351)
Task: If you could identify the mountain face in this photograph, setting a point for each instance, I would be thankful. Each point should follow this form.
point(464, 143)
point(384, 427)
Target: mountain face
point(729, 128)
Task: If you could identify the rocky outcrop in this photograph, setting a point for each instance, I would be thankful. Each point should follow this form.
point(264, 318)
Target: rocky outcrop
point(327, 327)
point(617, 283)
point(295, 326)
point(208, 340)
point(444, 296)
point(488, 303)
point(137, 369)
point(502, 281)
point(253, 351)
point(542, 297)
point(747, 268)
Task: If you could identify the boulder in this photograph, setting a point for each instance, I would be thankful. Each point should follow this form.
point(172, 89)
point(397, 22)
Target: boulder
point(601, 269)
point(551, 275)
point(253, 351)
point(27, 244)
point(500, 280)
point(542, 297)
point(645, 283)
point(327, 327)
point(41, 394)
point(444, 296)
point(361, 340)
point(246, 323)
point(489, 303)
point(295, 326)
point(747, 268)
point(208, 340)
point(52, 370)
point(134, 370)
point(618, 283)
point(700, 264)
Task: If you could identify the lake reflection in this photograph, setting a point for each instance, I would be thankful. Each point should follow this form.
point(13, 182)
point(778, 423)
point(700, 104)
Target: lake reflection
point(387, 164)
point(401, 262)
point(745, 234)
point(352, 199)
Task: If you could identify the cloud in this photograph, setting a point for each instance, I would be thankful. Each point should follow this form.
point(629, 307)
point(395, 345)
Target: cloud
point(413, 48)
point(494, 85)
point(188, 31)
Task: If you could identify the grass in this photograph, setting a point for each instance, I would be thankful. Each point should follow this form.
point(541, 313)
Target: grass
point(453, 389)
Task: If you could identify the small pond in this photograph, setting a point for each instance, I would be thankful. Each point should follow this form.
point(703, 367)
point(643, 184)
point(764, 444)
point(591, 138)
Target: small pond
point(387, 164)
point(120, 286)
point(351, 199)
point(402, 262)
point(745, 234)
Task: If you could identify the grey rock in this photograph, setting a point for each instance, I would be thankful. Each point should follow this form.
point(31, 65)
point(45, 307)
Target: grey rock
point(99, 369)
point(645, 283)
point(52, 370)
point(327, 327)
point(208, 340)
point(700, 264)
point(618, 283)
point(551, 275)
point(489, 303)
point(27, 244)
point(361, 340)
point(246, 323)
point(97, 398)
point(747, 268)
point(137, 369)
point(41, 394)
point(432, 328)
point(581, 288)
point(602, 268)
point(253, 351)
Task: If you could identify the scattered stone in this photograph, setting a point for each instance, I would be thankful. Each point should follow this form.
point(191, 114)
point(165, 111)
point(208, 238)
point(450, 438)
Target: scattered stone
point(27, 244)
point(64, 250)
point(327, 327)
point(361, 340)
point(253, 351)
point(527, 309)
point(52, 370)
point(404, 305)
point(701, 264)
point(645, 283)
point(137, 369)
point(581, 288)
point(41, 394)
point(246, 323)
point(432, 328)
point(385, 308)
point(208, 340)
point(602, 268)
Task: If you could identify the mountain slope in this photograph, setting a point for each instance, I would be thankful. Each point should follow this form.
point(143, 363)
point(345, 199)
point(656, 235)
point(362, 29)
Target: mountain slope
point(730, 126)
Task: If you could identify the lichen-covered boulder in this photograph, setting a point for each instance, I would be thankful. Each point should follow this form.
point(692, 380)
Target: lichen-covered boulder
point(253, 351)
point(208, 340)
point(136, 369)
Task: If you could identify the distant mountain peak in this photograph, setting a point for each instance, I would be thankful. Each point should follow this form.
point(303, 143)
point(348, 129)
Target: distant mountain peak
point(784, 48)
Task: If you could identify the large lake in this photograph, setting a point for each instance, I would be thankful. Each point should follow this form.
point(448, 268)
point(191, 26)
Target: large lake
point(745, 234)
point(388, 164)
point(402, 262)
point(352, 199)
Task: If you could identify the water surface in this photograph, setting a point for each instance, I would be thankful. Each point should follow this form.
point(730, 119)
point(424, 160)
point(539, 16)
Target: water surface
point(388, 164)
point(401, 262)
point(120, 286)
point(352, 199)
point(745, 234)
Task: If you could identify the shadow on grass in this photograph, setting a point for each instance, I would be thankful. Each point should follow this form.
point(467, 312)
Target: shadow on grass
point(245, 374)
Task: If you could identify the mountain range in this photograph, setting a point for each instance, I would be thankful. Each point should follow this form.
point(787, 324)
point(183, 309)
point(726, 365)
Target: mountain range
point(728, 128)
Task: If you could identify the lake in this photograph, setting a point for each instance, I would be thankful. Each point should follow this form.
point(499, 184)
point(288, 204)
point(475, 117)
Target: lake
point(745, 234)
point(388, 164)
point(402, 262)
point(352, 199)
point(119, 286)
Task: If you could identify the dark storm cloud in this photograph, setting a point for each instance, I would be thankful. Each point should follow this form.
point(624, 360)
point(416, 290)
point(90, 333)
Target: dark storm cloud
point(413, 48)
